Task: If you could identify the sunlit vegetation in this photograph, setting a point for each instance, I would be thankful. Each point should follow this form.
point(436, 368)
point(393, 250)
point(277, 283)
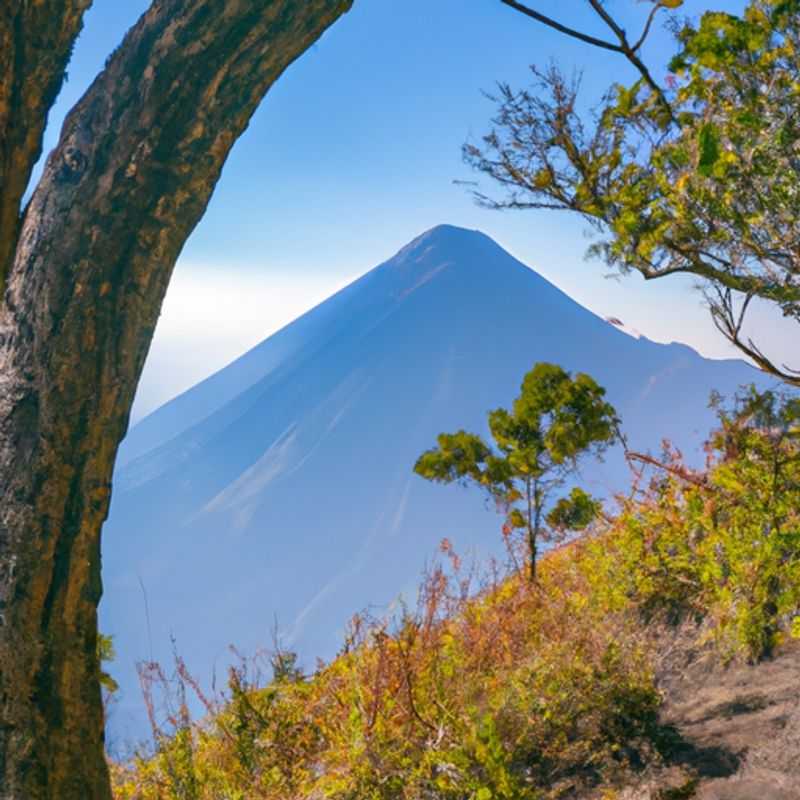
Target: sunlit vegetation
point(555, 423)
point(493, 687)
point(696, 174)
point(723, 543)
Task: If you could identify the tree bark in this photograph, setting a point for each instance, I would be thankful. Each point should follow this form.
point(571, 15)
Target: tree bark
point(136, 164)
point(36, 41)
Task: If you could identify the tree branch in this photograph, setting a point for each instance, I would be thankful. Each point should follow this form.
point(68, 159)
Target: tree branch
point(624, 47)
point(646, 32)
point(729, 323)
point(678, 471)
point(618, 31)
point(36, 41)
point(630, 53)
point(696, 265)
point(584, 37)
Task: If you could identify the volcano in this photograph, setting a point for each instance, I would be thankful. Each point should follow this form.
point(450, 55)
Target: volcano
point(281, 488)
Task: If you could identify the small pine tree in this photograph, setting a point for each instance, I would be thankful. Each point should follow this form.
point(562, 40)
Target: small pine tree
point(556, 421)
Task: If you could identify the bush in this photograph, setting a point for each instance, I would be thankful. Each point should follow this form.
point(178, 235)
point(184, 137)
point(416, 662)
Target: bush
point(507, 692)
point(724, 543)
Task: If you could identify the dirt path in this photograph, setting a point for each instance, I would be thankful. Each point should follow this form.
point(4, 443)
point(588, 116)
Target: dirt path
point(736, 728)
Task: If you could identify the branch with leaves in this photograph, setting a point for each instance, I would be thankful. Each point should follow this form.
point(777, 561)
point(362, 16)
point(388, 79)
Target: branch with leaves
point(699, 177)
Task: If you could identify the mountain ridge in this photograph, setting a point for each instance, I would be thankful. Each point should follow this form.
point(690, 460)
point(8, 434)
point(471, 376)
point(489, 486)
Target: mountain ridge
point(138, 441)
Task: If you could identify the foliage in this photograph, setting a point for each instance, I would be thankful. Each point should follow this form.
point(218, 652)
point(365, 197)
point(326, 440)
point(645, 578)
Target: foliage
point(555, 422)
point(105, 655)
point(699, 176)
point(724, 543)
point(479, 692)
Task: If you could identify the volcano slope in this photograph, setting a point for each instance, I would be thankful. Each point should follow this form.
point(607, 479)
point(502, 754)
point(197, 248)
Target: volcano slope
point(281, 487)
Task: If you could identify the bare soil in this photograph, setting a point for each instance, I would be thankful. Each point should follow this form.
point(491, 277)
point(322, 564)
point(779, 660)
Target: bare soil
point(732, 731)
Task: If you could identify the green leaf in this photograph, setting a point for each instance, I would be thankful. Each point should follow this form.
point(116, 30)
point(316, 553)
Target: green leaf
point(708, 141)
point(516, 519)
point(575, 512)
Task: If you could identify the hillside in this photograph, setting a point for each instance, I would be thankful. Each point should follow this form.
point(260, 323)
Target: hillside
point(655, 658)
point(282, 486)
point(729, 732)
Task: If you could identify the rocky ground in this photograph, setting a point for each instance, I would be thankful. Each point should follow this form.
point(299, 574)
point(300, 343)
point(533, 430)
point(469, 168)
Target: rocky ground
point(733, 729)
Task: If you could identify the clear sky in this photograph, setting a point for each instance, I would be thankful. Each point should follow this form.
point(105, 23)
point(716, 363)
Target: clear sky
point(355, 151)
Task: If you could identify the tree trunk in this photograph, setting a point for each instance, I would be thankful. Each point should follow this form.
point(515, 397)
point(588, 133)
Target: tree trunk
point(535, 509)
point(533, 547)
point(136, 164)
point(36, 40)
point(533, 519)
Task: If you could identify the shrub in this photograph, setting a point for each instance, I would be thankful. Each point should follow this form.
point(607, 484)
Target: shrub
point(724, 543)
point(506, 692)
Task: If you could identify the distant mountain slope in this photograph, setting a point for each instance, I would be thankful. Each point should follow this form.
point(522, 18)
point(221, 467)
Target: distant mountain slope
point(282, 486)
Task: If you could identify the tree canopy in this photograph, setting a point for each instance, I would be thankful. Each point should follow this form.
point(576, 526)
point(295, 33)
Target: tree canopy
point(554, 423)
point(697, 176)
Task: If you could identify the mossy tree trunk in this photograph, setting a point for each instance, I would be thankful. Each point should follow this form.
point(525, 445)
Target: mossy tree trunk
point(86, 267)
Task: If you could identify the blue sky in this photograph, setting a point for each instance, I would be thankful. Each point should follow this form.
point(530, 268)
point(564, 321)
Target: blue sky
point(355, 151)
